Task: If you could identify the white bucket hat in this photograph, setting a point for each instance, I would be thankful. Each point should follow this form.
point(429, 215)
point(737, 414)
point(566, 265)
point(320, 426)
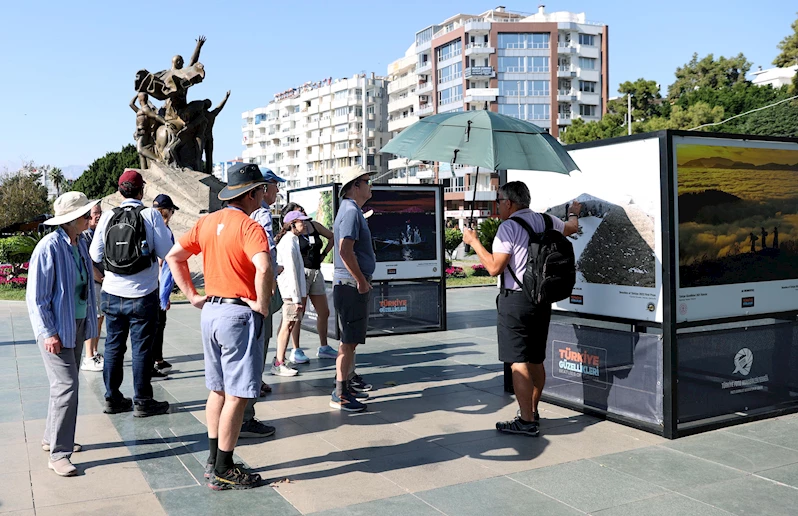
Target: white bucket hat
point(349, 174)
point(70, 206)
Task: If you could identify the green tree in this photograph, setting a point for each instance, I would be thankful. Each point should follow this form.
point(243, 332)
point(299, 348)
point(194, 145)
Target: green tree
point(102, 176)
point(610, 126)
point(487, 232)
point(789, 49)
point(452, 238)
point(781, 120)
point(646, 100)
point(708, 73)
point(22, 198)
point(699, 113)
point(58, 179)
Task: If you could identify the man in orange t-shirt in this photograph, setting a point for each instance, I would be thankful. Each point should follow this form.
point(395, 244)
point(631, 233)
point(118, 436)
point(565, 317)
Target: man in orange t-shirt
point(238, 283)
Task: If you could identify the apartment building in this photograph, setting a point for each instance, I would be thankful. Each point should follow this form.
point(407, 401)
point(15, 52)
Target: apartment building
point(547, 68)
point(220, 168)
point(305, 134)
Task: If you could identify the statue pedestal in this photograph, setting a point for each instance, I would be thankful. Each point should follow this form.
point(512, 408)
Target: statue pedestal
point(195, 193)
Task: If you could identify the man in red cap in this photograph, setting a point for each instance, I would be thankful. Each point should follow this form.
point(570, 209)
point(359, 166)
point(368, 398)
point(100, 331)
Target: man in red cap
point(127, 241)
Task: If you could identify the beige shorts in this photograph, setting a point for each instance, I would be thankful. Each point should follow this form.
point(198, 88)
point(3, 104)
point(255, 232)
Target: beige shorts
point(314, 279)
point(290, 311)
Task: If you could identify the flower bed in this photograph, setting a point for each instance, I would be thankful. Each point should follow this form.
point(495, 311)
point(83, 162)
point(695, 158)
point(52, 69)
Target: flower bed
point(9, 279)
point(479, 270)
point(455, 272)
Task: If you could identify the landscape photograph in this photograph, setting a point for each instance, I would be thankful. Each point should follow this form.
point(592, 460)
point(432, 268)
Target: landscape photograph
point(738, 214)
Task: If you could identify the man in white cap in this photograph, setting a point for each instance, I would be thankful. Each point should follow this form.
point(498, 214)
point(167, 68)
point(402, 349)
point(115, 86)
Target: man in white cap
point(354, 264)
point(62, 306)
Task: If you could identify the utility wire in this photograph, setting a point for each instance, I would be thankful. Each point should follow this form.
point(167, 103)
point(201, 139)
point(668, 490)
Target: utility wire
point(743, 114)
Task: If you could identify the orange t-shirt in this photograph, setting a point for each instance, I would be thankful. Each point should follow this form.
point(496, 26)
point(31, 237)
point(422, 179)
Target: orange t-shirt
point(227, 239)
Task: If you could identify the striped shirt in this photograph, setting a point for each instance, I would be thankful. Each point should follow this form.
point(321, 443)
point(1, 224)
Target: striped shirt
point(50, 295)
point(263, 216)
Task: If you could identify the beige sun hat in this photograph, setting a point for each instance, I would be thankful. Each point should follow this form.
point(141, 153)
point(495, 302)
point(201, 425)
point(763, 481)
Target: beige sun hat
point(349, 174)
point(70, 206)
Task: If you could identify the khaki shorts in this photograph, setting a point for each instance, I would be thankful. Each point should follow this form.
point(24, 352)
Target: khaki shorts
point(314, 279)
point(290, 311)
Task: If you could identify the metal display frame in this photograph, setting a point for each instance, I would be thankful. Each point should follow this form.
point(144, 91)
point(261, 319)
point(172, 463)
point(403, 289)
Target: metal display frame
point(671, 427)
point(334, 331)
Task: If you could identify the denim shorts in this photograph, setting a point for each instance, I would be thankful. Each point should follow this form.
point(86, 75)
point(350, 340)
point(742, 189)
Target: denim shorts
point(232, 342)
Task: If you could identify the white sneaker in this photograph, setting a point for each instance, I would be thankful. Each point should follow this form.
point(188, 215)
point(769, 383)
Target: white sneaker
point(283, 370)
point(94, 363)
point(298, 356)
point(327, 352)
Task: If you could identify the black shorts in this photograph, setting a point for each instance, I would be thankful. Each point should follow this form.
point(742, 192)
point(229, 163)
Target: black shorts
point(523, 328)
point(352, 308)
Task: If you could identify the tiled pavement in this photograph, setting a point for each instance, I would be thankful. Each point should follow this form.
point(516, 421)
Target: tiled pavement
point(425, 446)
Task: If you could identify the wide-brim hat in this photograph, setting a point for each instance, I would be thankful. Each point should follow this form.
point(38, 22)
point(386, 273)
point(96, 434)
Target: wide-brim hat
point(241, 178)
point(350, 174)
point(70, 206)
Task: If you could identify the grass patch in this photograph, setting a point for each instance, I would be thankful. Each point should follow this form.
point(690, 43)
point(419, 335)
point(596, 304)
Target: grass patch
point(11, 293)
point(178, 296)
point(470, 280)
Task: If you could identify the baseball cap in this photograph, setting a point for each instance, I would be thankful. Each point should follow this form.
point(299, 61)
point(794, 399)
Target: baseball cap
point(133, 177)
point(271, 177)
point(164, 201)
point(291, 216)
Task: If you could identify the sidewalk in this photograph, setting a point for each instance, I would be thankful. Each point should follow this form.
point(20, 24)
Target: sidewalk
point(426, 445)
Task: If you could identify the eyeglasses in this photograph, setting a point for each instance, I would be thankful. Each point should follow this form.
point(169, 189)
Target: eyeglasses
point(367, 181)
point(500, 199)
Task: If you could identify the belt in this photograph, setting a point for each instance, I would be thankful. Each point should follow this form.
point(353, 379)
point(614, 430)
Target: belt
point(227, 300)
point(349, 282)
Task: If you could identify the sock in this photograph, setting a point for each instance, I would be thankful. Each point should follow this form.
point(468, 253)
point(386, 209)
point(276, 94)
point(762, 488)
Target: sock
point(522, 421)
point(340, 387)
point(213, 447)
point(224, 461)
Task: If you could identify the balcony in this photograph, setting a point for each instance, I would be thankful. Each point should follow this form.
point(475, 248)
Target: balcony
point(566, 95)
point(401, 163)
point(401, 122)
point(402, 83)
point(425, 109)
point(566, 49)
point(424, 87)
point(477, 25)
point(483, 193)
point(587, 97)
point(480, 71)
point(424, 68)
point(481, 94)
point(564, 118)
point(401, 103)
point(476, 49)
point(566, 71)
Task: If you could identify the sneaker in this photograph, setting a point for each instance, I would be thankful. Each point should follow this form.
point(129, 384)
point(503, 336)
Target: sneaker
point(359, 395)
point(346, 402)
point(535, 416)
point(297, 356)
point(516, 426)
point(75, 447)
point(163, 367)
point(327, 352)
point(157, 374)
point(254, 428)
point(235, 478)
point(283, 370)
point(208, 470)
point(150, 408)
point(118, 406)
point(357, 383)
point(63, 467)
point(94, 364)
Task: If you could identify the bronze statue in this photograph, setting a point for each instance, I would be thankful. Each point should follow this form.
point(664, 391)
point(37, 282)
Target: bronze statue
point(178, 133)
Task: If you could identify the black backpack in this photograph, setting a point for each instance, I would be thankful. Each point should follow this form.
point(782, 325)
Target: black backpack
point(550, 273)
point(126, 248)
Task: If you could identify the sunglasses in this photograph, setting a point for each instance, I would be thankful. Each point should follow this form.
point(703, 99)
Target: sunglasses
point(367, 181)
point(86, 216)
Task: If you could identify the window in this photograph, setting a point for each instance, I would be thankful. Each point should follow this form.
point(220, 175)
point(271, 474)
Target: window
point(513, 110)
point(587, 63)
point(450, 95)
point(587, 39)
point(524, 88)
point(538, 64)
point(341, 128)
point(538, 88)
point(341, 146)
point(511, 64)
point(449, 50)
point(523, 40)
point(587, 86)
point(450, 73)
point(341, 111)
point(538, 112)
point(587, 110)
point(340, 95)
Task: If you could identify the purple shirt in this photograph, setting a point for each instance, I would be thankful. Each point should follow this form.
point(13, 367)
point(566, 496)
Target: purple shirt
point(512, 239)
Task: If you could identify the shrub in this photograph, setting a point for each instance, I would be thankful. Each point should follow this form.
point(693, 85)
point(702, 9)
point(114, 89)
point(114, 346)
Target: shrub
point(479, 270)
point(487, 232)
point(452, 238)
point(455, 272)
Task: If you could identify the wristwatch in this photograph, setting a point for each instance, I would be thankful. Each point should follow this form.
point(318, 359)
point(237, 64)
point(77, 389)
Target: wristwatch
point(573, 215)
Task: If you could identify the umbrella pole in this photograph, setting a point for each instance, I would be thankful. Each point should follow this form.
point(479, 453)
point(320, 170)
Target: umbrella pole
point(474, 198)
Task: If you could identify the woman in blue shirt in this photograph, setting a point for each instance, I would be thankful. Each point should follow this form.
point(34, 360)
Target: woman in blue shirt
point(59, 297)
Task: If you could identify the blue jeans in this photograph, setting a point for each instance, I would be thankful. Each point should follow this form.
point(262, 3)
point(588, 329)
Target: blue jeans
point(138, 317)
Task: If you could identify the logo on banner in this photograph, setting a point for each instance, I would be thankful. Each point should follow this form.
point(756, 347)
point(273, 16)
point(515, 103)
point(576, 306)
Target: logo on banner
point(579, 362)
point(577, 300)
point(743, 361)
point(393, 305)
point(748, 302)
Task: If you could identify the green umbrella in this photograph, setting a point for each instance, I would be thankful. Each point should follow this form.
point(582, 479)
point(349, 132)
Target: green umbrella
point(481, 139)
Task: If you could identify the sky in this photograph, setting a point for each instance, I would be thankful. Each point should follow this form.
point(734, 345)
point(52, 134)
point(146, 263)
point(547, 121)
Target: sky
point(68, 67)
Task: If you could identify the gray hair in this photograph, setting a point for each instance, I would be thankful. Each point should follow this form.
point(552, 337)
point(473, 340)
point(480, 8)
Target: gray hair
point(516, 192)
